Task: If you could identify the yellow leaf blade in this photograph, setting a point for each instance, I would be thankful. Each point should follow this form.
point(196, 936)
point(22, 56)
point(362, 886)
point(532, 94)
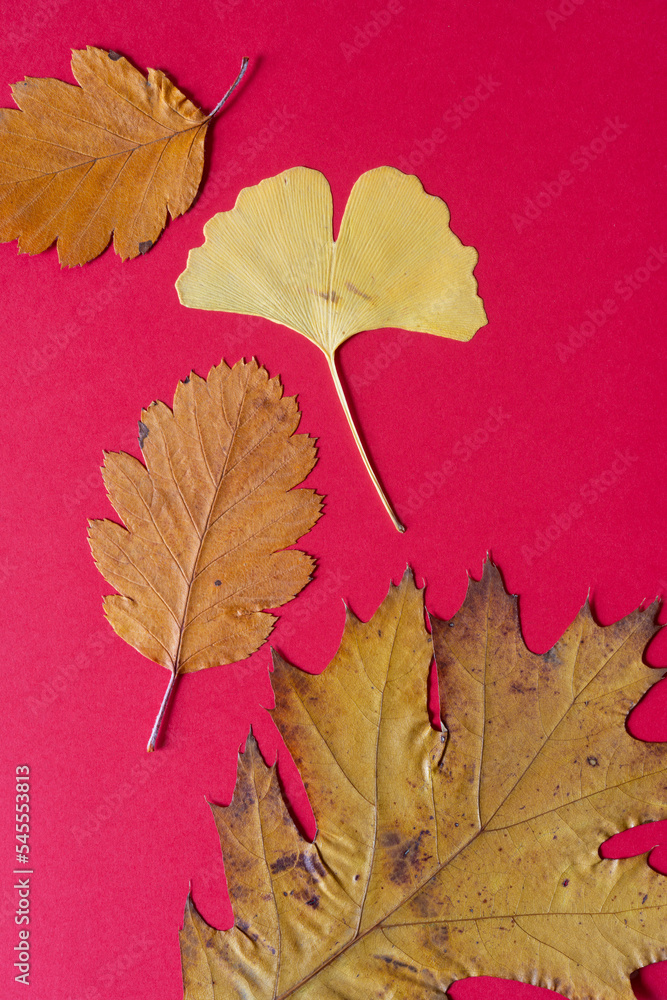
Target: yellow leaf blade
point(396, 262)
point(269, 256)
point(538, 770)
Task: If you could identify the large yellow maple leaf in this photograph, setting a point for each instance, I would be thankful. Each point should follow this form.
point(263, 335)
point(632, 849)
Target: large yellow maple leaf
point(438, 856)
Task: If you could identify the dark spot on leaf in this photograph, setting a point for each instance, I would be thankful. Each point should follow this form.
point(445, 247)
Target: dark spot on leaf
point(145, 246)
point(566, 882)
point(355, 291)
point(143, 433)
point(391, 838)
point(644, 899)
point(439, 937)
point(244, 927)
point(218, 583)
point(593, 761)
point(114, 55)
point(357, 877)
point(314, 901)
point(282, 864)
point(394, 961)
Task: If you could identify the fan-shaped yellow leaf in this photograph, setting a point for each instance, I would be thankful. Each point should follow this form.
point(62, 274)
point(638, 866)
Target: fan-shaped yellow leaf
point(396, 263)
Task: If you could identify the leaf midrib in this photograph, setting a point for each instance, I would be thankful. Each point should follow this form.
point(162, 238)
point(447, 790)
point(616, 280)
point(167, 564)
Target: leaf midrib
point(194, 574)
point(92, 160)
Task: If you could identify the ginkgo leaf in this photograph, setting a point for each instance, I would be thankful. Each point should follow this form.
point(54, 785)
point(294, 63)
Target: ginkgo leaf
point(396, 263)
point(207, 520)
point(110, 157)
point(439, 856)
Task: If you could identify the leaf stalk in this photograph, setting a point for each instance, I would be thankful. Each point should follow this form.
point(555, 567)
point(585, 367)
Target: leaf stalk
point(244, 66)
point(369, 468)
point(163, 708)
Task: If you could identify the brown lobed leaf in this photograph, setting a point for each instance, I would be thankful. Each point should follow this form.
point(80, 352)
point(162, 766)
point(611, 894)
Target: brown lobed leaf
point(111, 156)
point(207, 521)
point(444, 855)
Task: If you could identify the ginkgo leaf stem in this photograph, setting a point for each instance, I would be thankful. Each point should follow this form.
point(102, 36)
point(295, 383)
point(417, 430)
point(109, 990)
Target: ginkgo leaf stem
point(163, 708)
point(371, 472)
point(244, 66)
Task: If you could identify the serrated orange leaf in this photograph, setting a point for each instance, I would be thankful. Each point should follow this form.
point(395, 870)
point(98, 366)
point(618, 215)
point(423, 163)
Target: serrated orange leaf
point(208, 519)
point(109, 157)
point(439, 856)
point(396, 263)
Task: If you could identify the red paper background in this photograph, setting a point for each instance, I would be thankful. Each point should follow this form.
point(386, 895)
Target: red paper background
point(117, 836)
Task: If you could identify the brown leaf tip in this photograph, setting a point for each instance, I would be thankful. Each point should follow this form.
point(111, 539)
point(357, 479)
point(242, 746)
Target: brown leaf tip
point(114, 55)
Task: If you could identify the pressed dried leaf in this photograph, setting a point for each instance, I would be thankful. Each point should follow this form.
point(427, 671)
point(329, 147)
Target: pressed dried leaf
point(207, 520)
point(110, 157)
point(396, 263)
point(442, 856)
